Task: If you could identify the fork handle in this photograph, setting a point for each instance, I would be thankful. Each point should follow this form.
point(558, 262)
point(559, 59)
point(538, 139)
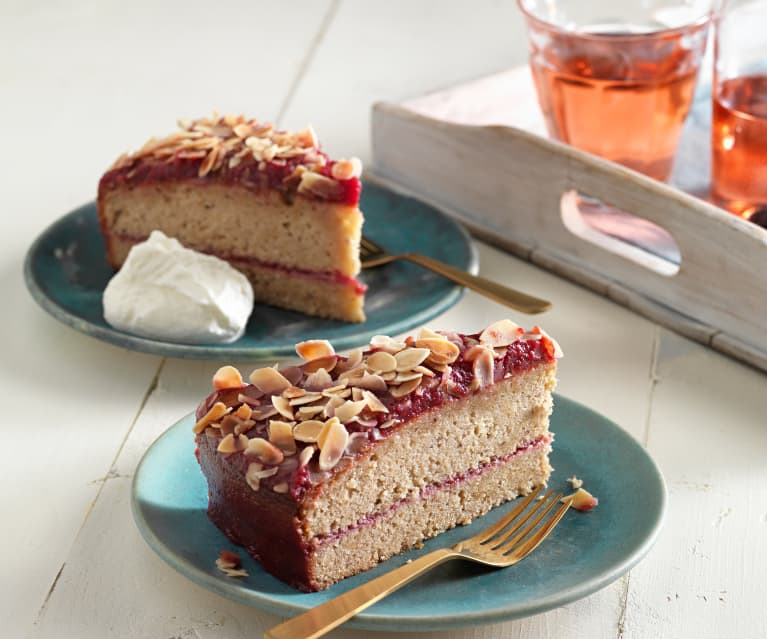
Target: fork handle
point(317, 621)
point(495, 291)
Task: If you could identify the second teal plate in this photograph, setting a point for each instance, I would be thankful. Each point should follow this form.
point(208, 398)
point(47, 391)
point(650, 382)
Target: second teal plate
point(66, 271)
point(583, 554)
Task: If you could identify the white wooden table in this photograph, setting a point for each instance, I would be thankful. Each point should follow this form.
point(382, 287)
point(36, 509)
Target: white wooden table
point(82, 81)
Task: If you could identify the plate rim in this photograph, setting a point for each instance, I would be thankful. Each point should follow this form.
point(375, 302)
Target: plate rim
point(420, 622)
point(231, 351)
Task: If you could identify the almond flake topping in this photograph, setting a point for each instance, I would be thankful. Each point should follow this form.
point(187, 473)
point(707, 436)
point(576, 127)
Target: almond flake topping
point(233, 444)
point(281, 435)
point(382, 362)
point(282, 487)
point(256, 472)
point(347, 410)
point(244, 411)
point(216, 412)
point(483, 369)
point(314, 349)
point(227, 377)
point(264, 451)
point(283, 407)
point(374, 404)
point(318, 380)
point(501, 333)
point(269, 381)
point(410, 358)
point(333, 445)
point(308, 431)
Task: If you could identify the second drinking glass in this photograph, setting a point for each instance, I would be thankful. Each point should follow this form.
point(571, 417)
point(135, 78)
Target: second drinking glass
point(617, 79)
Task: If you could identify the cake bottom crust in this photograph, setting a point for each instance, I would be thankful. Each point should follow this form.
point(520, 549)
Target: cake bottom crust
point(412, 522)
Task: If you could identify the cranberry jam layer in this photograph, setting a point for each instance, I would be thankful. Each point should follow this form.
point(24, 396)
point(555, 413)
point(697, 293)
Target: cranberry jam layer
point(237, 151)
point(309, 465)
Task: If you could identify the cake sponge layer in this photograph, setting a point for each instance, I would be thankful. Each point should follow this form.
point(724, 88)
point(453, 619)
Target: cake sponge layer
point(233, 221)
point(411, 522)
point(433, 447)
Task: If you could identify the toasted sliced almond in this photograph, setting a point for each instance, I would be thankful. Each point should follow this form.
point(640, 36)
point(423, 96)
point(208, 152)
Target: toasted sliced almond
point(244, 412)
point(441, 347)
point(281, 487)
point(406, 388)
point(293, 392)
point(256, 472)
point(232, 444)
point(347, 410)
point(281, 435)
point(307, 412)
point(283, 407)
point(319, 185)
point(427, 333)
point(264, 451)
point(370, 381)
point(410, 358)
point(308, 398)
point(352, 359)
point(353, 373)
point(264, 412)
point(314, 349)
point(328, 363)
point(227, 377)
point(387, 424)
point(424, 371)
point(305, 456)
point(483, 369)
point(216, 412)
point(318, 380)
point(330, 407)
point(330, 423)
point(333, 445)
point(381, 362)
point(308, 431)
point(406, 377)
point(269, 381)
point(347, 169)
point(500, 333)
point(244, 426)
point(373, 403)
point(386, 343)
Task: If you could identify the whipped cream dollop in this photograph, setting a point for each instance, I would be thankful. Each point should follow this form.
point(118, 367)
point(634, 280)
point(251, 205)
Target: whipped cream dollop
point(165, 291)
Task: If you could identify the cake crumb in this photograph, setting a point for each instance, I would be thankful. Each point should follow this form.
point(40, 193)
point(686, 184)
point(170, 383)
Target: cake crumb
point(582, 500)
point(575, 482)
point(230, 564)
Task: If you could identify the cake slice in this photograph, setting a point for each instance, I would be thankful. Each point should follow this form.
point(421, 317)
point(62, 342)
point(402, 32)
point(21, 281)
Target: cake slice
point(325, 469)
point(269, 202)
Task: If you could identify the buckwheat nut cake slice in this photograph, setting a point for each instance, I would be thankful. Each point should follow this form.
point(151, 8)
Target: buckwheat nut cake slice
point(323, 469)
point(270, 202)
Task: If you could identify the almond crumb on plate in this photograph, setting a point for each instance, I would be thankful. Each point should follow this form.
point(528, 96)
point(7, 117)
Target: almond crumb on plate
point(230, 564)
point(575, 482)
point(582, 500)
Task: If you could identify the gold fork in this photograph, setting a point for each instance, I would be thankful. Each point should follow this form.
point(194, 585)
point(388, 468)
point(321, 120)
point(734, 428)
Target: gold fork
point(373, 255)
point(496, 546)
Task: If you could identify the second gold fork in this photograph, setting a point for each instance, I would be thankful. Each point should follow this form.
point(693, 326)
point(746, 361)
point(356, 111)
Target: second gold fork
point(373, 255)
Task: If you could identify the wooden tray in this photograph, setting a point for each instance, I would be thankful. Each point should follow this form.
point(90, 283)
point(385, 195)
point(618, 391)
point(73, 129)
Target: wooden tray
point(479, 151)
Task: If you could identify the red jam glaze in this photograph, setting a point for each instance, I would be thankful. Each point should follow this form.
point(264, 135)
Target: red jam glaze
point(274, 175)
point(321, 276)
point(520, 356)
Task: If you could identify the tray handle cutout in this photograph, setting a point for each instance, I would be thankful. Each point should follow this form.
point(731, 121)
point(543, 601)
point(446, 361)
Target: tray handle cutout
point(624, 234)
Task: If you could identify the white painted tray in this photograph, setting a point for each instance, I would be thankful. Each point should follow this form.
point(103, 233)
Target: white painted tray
point(479, 151)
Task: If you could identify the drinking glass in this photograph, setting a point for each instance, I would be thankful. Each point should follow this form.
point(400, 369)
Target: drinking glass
point(739, 128)
point(617, 78)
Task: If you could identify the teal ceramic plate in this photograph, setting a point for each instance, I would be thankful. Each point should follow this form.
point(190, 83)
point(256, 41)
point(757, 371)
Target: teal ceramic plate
point(585, 552)
point(66, 271)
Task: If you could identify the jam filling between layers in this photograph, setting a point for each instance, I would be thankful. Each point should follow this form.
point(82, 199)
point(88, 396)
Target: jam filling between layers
point(293, 473)
point(331, 277)
point(371, 519)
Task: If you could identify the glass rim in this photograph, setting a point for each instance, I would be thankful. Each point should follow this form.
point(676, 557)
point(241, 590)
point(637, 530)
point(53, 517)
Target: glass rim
point(704, 19)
